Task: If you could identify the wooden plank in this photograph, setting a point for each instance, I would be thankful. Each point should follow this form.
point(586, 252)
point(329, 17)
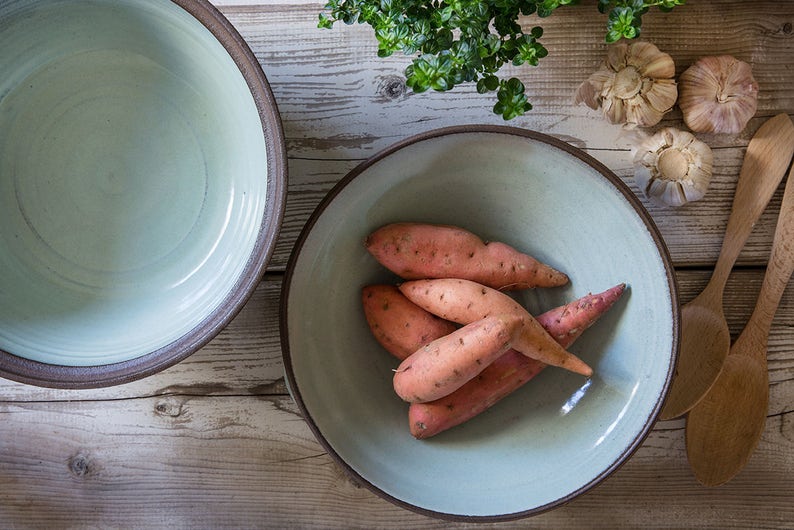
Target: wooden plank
point(335, 94)
point(693, 233)
point(247, 461)
point(341, 104)
point(245, 359)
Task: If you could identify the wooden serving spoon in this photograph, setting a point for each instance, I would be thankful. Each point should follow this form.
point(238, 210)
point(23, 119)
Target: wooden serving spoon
point(705, 339)
point(723, 429)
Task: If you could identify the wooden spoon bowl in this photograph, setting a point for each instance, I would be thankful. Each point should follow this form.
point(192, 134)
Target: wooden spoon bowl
point(713, 462)
point(703, 329)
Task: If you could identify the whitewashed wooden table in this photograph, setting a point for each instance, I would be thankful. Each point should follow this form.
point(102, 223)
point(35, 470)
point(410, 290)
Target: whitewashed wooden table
point(216, 441)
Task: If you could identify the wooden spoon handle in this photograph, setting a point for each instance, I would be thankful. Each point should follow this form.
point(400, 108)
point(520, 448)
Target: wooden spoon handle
point(760, 176)
point(778, 273)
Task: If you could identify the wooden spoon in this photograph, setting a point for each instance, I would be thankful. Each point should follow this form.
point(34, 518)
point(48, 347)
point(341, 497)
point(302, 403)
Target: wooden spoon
point(723, 429)
point(705, 339)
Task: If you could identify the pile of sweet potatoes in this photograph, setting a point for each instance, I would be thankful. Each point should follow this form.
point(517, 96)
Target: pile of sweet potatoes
point(464, 344)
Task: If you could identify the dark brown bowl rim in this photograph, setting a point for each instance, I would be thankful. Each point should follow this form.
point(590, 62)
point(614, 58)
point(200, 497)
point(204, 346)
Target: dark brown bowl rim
point(630, 197)
point(40, 374)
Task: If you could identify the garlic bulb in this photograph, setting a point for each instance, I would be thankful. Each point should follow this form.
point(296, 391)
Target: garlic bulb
point(634, 85)
point(672, 167)
point(718, 95)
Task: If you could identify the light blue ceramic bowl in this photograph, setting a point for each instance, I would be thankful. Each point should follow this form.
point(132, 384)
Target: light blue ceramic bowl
point(557, 436)
point(142, 184)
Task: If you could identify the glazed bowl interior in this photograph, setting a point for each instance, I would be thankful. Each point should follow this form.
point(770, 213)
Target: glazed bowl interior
point(558, 435)
point(139, 179)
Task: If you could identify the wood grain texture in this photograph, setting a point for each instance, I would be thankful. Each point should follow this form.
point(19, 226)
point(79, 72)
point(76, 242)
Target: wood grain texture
point(723, 428)
point(245, 358)
point(247, 461)
point(341, 104)
point(215, 441)
point(705, 338)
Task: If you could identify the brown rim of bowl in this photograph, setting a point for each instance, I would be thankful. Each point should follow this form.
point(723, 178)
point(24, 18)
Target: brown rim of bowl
point(497, 129)
point(40, 374)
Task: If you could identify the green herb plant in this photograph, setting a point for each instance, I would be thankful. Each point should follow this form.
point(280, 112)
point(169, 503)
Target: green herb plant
point(462, 41)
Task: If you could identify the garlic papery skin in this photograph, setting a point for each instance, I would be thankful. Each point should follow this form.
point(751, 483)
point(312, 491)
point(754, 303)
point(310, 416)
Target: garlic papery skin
point(634, 86)
point(718, 94)
point(672, 167)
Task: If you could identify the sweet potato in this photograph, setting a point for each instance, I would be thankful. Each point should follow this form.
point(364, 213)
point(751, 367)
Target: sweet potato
point(501, 378)
point(510, 371)
point(444, 365)
point(417, 251)
point(566, 323)
point(464, 301)
point(399, 325)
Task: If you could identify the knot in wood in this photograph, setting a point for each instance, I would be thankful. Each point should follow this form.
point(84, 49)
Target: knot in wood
point(79, 465)
point(392, 87)
point(168, 407)
point(787, 28)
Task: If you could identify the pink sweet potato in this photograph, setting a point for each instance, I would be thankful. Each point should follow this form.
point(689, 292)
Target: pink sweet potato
point(444, 365)
point(567, 322)
point(417, 251)
point(399, 325)
point(502, 377)
point(464, 301)
point(510, 371)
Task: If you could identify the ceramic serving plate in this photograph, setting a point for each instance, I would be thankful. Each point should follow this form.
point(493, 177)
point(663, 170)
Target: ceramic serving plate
point(557, 436)
point(142, 182)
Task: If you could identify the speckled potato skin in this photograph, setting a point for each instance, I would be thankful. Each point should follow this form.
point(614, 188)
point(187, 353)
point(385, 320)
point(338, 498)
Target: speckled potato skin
point(415, 251)
point(444, 365)
point(510, 371)
point(399, 325)
point(464, 301)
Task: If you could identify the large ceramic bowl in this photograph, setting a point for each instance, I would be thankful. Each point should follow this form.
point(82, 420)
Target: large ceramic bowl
point(142, 181)
point(557, 436)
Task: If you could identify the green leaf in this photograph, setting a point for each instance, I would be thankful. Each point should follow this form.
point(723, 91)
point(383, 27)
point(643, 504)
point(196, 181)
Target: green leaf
point(623, 22)
point(325, 22)
point(511, 100)
point(613, 36)
point(462, 41)
point(489, 83)
point(528, 50)
point(430, 71)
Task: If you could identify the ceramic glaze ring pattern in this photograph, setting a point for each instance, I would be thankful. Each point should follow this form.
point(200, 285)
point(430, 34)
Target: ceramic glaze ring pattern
point(142, 182)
